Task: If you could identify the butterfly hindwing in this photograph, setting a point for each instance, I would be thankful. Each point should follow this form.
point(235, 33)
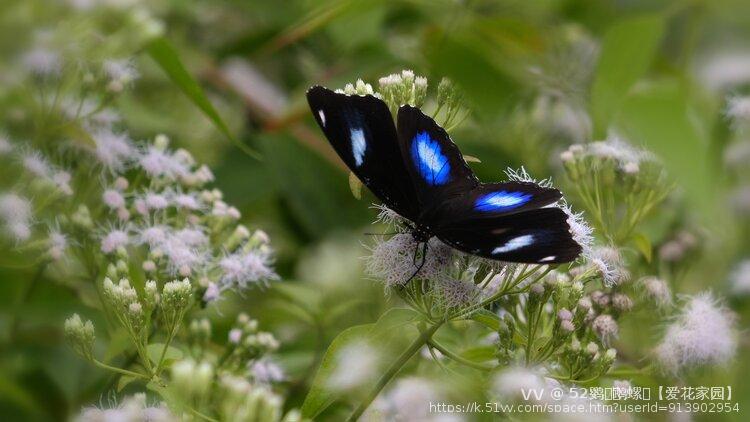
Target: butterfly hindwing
point(361, 130)
point(436, 166)
point(536, 236)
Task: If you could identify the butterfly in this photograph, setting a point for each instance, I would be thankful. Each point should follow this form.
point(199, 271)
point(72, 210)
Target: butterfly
point(415, 169)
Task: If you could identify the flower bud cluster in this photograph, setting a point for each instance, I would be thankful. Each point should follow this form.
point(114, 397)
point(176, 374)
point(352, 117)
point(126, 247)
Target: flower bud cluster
point(80, 335)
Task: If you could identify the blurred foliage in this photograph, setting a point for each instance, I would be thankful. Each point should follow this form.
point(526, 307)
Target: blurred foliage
point(635, 66)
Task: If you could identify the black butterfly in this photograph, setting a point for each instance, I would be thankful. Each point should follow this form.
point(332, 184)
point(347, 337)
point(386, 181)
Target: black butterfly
point(418, 172)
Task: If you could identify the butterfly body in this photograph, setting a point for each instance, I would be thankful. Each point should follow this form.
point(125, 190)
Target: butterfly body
point(416, 170)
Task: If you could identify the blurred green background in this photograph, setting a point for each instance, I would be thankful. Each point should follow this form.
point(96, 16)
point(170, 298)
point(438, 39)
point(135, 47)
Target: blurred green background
point(537, 75)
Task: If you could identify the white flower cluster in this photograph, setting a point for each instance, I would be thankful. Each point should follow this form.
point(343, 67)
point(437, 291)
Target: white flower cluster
point(132, 408)
point(615, 149)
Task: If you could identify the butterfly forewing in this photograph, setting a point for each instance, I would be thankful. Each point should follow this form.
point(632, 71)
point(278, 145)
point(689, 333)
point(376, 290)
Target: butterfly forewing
point(536, 236)
point(436, 167)
point(361, 130)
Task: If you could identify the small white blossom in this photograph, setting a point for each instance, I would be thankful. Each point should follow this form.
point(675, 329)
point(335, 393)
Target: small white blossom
point(115, 239)
point(605, 327)
point(113, 199)
point(657, 290)
point(159, 163)
point(42, 61)
point(265, 371)
point(739, 279)
point(133, 409)
point(113, 150)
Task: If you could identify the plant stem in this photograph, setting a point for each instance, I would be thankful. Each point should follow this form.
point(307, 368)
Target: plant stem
point(119, 370)
point(458, 358)
point(417, 344)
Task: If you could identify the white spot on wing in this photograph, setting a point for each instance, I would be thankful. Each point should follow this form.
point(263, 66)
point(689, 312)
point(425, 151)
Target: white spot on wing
point(359, 145)
point(548, 258)
point(515, 243)
point(322, 117)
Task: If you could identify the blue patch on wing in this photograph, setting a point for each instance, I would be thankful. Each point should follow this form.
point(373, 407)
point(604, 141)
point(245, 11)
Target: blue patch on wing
point(501, 201)
point(430, 161)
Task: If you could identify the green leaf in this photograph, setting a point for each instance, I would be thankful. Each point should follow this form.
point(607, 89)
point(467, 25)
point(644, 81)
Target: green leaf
point(487, 318)
point(628, 49)
point(319, 397)
point(124, 381)
point(480, 354)
point(165, 55)
point(383, 332)
point(660, 115)
point(644, 245)
point(154, 351)
point(393, 319)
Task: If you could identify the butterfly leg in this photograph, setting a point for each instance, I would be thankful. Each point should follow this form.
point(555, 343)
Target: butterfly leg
point(424, 260)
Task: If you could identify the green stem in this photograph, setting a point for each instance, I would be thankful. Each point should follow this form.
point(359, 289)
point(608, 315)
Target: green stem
point(417, 344)
point(458, 358)
point(120, 370)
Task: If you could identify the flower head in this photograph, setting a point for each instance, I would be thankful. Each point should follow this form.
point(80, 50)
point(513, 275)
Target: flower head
point(703, 333)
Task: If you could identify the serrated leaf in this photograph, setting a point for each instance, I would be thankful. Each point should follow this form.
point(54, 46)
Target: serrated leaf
point(165, 55)
point(644, 245)
point(355, 185)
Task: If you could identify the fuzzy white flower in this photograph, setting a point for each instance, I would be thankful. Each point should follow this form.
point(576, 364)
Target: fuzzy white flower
point(58, 243)
point(738, 109)
point(581, 231)
point(657, 290)
point(457, 293)
point(241, 268)
point(605, 327)
point(114, 239)
point(392, 261)
point(36, 163)
point(265, 371)
point(703, 333)
point(5, 146)
point(157, 162)
point(725, 69)
point(120, 73)
point(14, 208)
point(408, 400)
point(609, 264)
point(132, 408)
point(113, 150)
point(512, 382)
point(42, 61)
point(739, 279)
point(356, 365)
point(113, 199)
